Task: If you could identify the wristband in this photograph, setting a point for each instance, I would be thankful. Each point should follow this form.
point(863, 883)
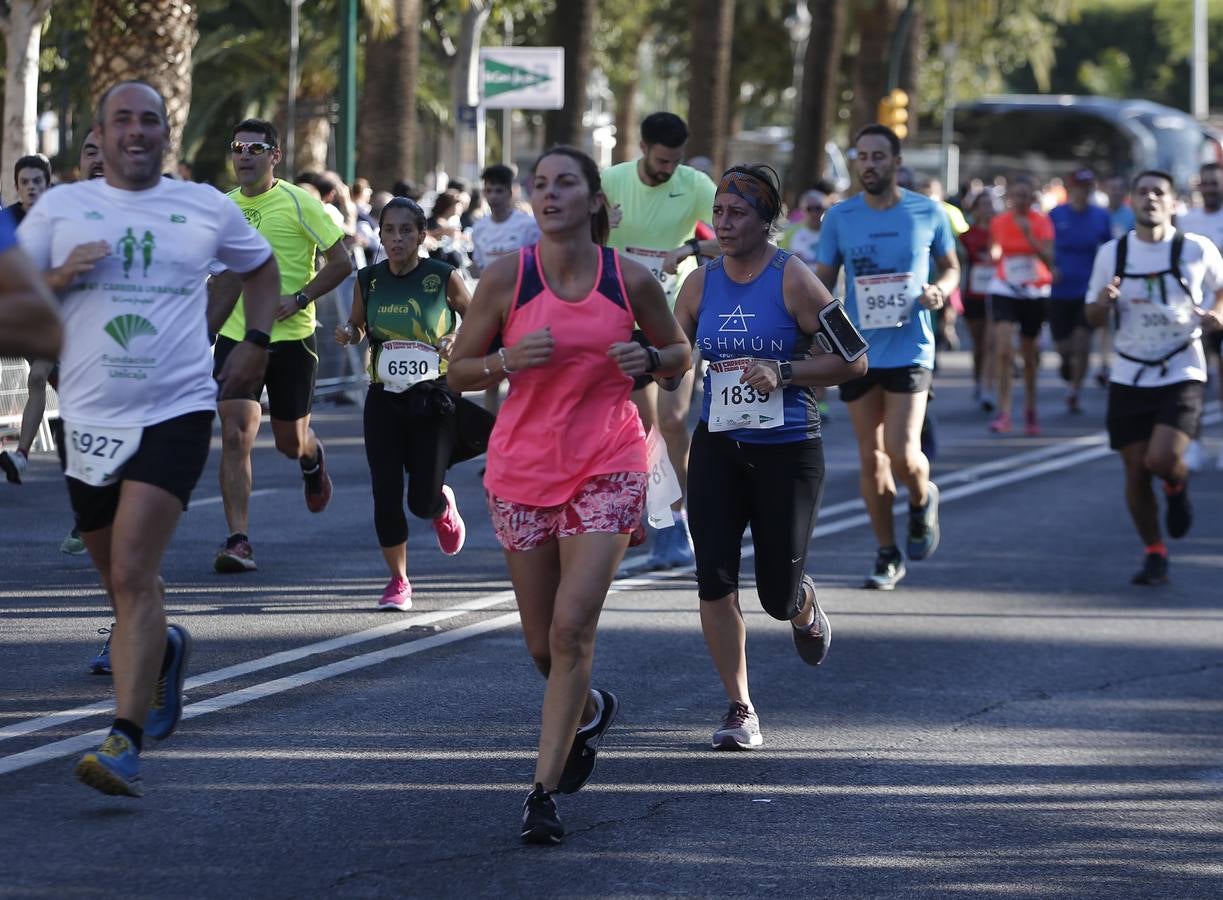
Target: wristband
point(505, 365)
point(258, 338)
point(653, 361)
point(695, 244)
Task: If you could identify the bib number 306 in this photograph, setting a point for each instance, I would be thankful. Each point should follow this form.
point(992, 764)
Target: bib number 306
point(96, 455)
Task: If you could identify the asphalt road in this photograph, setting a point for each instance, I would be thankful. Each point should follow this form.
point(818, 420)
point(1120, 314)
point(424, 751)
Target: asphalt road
point(1015, 719)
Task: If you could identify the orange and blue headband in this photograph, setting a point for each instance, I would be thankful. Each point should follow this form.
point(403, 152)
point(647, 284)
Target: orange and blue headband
point(752, 188)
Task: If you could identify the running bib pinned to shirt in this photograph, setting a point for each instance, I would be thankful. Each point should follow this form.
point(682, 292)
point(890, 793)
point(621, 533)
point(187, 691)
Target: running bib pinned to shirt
point(1150, 328)
point(1019, 271)
point(96, 454)
point(733, 404)
point(885, 301)
point(402, 364)
point(662, 488)
point(979, 277)
point(653, 260)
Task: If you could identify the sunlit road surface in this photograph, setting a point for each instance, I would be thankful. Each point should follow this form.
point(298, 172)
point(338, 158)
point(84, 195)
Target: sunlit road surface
point(1015, 719)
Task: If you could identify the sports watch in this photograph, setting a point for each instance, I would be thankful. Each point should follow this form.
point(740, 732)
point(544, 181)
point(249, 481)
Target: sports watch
point(786, 371)
point(302, 300)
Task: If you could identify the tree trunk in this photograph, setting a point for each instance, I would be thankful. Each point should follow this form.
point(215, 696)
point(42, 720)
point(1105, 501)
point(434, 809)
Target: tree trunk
point(625, 121)
point(387, 122)
point(818, 98)
point(22, 26)
point(313, 136)
point(875, 23)
point(572, 28)
point(149, 40)
point(468, 146)
point(713, 25)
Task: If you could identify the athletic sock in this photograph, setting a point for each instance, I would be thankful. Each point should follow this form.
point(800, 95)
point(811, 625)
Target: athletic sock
point(891, 550)
point(1173, 487)
point(235, 539)
point(309, 467)
point(131, 731)
point(598, 698)
point(1158, 547)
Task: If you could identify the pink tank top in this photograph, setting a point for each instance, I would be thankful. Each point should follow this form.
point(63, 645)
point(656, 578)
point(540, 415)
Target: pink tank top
point(565, 422)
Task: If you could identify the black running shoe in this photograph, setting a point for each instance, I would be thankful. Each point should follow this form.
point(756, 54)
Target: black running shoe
point(889, 569)
point(581, 761)
point(1179, 516)
point(1154, 570)
point(540, 822)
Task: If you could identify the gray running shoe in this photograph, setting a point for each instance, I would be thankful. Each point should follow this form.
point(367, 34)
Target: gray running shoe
point(889, 569)
point(812, 642)
point(740, 729)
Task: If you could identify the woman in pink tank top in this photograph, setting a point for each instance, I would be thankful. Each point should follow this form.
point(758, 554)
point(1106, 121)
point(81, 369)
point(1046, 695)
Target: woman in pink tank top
point(566, 461)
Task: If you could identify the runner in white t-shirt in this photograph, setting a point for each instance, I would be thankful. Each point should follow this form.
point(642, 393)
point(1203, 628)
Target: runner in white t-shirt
point(506, 229)
point(1161, 288)
point(136, 390)
point(1207, 220)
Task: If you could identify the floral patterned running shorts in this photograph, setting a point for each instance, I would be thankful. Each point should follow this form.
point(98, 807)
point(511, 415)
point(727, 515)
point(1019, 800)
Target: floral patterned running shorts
point(608, 504)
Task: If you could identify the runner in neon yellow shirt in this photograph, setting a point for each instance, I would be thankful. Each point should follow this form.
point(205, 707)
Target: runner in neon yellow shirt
point(656, 204)
point(298, 227)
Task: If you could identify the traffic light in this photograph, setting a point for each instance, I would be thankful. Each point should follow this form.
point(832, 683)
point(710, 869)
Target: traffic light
point(894, 112)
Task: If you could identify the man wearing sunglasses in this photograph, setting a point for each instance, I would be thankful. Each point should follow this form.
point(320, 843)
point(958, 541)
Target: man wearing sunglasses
point(298, 227)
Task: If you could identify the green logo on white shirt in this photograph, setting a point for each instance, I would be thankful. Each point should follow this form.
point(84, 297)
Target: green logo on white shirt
point(124, 328)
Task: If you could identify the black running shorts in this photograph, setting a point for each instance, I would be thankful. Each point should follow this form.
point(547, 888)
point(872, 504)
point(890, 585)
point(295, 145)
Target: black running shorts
point(1028, 313)
point(1065, 316)
point(1133, 412)
point(292, 366)
point(902, 380)
point(171, 456)
point(974, 308)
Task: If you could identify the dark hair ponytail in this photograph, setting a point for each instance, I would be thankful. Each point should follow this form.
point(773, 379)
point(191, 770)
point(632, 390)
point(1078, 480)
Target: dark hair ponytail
point(600, 224)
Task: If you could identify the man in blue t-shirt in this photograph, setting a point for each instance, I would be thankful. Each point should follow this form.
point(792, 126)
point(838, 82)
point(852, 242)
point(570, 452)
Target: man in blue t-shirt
point(1079, 229)
point(885, 238)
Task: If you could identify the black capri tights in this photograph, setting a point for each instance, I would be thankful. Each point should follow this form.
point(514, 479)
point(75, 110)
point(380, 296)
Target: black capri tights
point(774, 487)
point(399, 441)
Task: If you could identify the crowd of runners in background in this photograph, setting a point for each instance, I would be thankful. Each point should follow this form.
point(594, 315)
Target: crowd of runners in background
point(602, 299)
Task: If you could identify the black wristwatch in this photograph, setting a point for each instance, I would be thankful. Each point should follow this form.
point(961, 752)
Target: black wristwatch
point(655, 359)
point(695, 244)
point(257, 337)
point(302, 300)
point(786, 371)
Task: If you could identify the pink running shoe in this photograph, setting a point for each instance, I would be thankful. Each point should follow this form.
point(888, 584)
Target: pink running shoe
point(1031, 426)
point(451, 532)
point(1001, 423)
point(398, 594)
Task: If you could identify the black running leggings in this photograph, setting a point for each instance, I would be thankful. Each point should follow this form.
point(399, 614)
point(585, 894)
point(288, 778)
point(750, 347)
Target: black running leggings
point(774, 487)
point(398, 441)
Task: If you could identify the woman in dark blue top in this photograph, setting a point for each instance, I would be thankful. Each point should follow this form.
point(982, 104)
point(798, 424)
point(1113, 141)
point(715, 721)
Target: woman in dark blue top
point(756, 455)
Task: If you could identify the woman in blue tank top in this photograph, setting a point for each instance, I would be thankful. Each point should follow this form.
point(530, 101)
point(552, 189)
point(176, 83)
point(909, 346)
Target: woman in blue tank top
point(756, 456)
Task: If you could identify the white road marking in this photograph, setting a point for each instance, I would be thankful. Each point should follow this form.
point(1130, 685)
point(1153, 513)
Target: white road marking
point(1085, 449)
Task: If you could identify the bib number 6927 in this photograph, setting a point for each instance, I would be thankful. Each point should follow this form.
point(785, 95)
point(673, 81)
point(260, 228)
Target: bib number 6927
point(96, 454)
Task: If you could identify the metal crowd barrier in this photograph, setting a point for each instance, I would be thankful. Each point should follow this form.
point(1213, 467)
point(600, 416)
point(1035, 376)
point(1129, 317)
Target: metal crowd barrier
point(14, 373)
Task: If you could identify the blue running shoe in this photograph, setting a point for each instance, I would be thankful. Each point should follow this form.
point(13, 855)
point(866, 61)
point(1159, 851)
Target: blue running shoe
point(100, 664)
point(114, 768)
point(924, 530)
point(168, 699)
point(660, 550)
point(679, 550)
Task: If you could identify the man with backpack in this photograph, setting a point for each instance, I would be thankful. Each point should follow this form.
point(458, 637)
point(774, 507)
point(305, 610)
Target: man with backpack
point(1161, 288)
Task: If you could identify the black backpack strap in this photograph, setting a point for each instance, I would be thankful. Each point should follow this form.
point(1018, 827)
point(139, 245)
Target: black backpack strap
point(1123, 248)
point(1178, 248)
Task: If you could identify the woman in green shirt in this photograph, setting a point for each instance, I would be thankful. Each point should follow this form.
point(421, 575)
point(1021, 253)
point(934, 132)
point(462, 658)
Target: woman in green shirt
point(408, 305)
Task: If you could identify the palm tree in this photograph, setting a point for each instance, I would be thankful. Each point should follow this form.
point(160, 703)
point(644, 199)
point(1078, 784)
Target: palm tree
point(572, 28)
point(713, 26)
point(387, 123)
point(149, 40)
point(818, 96)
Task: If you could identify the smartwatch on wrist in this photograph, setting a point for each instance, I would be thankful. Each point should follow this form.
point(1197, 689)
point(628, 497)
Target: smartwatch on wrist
point(695, 245)
point(258, 338)
point(786, 371)
point(302, 300)
point(654, 361)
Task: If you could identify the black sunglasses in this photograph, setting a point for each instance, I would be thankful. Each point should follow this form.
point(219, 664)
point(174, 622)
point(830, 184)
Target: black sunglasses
point(254, 148)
